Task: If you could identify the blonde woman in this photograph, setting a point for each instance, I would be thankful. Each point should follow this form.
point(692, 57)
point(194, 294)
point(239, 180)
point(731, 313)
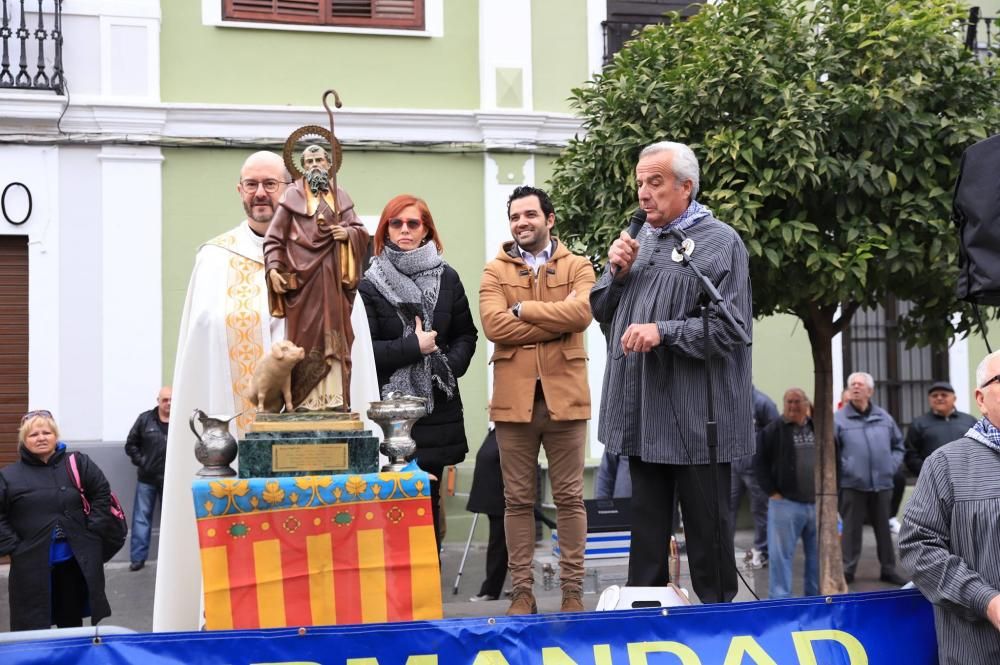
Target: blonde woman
point(57, 570)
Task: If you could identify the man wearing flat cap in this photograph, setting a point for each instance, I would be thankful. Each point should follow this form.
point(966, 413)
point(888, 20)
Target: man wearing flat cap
point(943, 423)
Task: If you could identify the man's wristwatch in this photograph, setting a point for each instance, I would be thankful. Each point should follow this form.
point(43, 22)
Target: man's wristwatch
point(516, 309)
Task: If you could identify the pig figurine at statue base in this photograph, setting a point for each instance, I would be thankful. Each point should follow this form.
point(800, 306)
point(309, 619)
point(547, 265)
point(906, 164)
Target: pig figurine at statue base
point(271, 384)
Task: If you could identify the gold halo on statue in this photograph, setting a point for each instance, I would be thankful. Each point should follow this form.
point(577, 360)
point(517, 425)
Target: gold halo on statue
point(310, 130)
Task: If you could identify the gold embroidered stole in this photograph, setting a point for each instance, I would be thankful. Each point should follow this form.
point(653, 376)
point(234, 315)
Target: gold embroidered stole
point(244, 339)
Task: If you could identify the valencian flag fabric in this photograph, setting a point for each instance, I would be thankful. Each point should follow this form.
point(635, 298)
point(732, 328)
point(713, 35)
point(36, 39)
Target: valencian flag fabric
point(317, 550)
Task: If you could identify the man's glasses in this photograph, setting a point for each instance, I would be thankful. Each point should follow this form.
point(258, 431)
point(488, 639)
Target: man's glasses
point(995, 379)
point(412, 224)
point(270, 186)
point(40, 413)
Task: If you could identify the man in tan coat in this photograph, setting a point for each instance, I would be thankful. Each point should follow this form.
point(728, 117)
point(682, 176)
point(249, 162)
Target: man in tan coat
point(534, 304)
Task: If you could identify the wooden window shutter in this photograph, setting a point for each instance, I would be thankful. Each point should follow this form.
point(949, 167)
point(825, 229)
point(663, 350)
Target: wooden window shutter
point(309, 12)
point(13, 342)
point(404, 14)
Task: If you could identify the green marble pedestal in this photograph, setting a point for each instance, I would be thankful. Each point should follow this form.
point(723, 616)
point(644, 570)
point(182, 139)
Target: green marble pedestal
point(308, 443)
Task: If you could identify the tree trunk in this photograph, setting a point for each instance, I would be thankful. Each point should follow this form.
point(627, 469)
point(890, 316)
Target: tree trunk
point(831, 563)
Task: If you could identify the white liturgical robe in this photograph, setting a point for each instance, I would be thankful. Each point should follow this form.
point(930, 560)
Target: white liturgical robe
point(225, 328)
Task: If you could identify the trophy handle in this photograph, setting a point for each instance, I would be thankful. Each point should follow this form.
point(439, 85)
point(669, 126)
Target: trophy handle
point(200, 415)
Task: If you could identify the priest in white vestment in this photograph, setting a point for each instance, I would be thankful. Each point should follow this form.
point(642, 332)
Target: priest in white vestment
point(225, 328)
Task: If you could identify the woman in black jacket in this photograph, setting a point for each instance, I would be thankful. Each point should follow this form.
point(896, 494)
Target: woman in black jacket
point(57, 568)
point(422, 331)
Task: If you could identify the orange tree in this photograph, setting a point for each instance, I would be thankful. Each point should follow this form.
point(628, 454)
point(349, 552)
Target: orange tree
point(829, 135)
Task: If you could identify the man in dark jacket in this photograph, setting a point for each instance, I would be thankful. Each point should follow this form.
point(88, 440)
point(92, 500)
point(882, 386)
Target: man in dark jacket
point(785, 466)
point(146, 446)
point(942, 424)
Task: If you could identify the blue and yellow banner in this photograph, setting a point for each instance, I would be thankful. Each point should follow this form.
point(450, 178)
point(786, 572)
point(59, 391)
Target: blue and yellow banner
point(317, 550)
point(855, 629)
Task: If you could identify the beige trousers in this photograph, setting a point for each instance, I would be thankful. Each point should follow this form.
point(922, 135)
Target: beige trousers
point(565, 443)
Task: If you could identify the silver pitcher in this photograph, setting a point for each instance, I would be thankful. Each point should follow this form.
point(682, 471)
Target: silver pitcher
point(396, 415)
point(216, 448)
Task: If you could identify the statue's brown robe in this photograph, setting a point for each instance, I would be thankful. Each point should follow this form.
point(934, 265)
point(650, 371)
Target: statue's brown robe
point(299, 242)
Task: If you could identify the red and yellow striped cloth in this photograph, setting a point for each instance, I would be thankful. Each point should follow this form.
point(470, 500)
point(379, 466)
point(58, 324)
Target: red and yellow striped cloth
point(354, 559)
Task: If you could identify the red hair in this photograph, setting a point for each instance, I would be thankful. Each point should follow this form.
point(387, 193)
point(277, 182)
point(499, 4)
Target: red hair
point(397, 205)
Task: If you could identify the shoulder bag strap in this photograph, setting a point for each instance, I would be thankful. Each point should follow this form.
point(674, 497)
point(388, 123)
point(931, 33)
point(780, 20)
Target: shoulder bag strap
point(74, 474)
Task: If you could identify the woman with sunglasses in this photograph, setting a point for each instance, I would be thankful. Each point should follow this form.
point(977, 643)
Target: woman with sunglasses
point(422, 331)
point(56, 570)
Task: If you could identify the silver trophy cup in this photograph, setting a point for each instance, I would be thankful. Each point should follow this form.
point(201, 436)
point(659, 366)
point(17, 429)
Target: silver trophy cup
point(396, 415)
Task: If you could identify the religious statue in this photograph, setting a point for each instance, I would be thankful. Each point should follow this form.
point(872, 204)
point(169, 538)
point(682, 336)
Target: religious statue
point(313, 255)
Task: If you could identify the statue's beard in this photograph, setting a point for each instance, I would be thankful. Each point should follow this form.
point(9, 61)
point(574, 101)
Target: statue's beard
point(318, 181)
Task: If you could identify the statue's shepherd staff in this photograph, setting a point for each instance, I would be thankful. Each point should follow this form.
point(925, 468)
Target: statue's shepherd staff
point(333, 142)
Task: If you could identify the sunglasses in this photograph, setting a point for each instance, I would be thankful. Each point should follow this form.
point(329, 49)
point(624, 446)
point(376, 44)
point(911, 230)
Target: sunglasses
point(40, 413)
point(995, 379)
point(412, 224)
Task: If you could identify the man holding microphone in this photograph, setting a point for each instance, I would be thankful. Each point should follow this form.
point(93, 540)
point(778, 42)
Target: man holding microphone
point(653, 405)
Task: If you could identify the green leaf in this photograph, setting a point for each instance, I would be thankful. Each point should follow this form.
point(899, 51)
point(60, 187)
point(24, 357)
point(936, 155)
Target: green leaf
point(773, 257)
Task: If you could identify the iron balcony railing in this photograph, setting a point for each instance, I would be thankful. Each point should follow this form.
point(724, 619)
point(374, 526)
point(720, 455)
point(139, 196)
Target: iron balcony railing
point(981, 33)
point(616, 33)
point(42, 43)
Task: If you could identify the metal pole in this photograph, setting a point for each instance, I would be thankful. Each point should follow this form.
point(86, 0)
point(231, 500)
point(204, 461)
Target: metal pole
point(712, 436)
point(465, 554)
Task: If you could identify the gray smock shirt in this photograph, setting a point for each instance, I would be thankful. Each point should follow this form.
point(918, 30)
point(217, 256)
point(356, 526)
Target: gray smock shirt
point(950, 542)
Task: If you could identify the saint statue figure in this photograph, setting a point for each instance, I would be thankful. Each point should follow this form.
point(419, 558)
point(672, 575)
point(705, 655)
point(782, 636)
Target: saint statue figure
point(313, 254)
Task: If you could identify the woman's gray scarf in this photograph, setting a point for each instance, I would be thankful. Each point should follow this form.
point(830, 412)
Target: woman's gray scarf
point(410, 281)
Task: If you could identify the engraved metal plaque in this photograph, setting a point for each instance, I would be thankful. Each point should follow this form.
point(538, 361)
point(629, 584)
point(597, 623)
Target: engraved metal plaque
point(309, 457)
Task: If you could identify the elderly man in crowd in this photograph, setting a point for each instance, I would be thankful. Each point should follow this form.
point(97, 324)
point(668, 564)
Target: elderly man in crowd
point(870, 448)
point(941, 424)
point(950, 539)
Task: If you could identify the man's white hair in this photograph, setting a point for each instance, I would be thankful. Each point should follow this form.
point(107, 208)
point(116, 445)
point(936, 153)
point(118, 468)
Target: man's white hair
point(869, 381)
point(684, 165)
point(982, 371)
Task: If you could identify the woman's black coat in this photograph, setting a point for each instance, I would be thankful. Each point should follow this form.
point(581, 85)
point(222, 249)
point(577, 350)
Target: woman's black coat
point(34, 497)
point(440, 436)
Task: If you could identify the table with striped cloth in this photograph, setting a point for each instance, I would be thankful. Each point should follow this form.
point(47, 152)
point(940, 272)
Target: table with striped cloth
point(317, 550)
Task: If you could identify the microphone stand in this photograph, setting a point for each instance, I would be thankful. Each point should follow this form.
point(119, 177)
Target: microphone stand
point(710, 296)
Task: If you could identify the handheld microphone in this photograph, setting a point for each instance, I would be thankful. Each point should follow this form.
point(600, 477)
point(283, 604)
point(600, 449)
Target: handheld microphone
point(635, 223)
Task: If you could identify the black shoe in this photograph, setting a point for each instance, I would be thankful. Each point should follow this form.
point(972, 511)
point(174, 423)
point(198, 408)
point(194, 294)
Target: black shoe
point(892, 578)
point(136, 565)
point(849, 578)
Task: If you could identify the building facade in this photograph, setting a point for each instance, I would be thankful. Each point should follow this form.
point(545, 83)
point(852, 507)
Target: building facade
point(113, 179)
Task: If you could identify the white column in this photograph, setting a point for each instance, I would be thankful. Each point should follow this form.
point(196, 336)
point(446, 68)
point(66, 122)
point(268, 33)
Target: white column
point(837, 351)
point(497, 229)
point(81, 304)
point(135, 77)
point(597, 352)
point(597, 13)
point(959, 375)
point(131, 289)
point(504, 45)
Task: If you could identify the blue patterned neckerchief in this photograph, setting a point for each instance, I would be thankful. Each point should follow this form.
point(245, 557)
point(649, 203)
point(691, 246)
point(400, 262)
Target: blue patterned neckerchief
point(985, 433)
point(694, 213)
